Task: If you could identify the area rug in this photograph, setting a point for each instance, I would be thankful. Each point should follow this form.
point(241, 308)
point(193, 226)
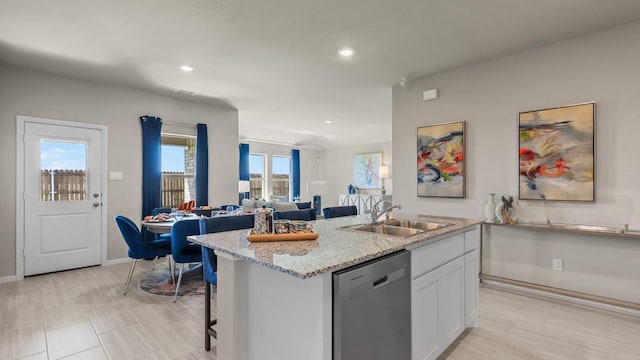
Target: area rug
point(158, 282)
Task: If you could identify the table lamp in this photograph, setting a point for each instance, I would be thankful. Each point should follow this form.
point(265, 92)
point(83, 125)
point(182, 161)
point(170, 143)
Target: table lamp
point(383, 172)
point(244, 187)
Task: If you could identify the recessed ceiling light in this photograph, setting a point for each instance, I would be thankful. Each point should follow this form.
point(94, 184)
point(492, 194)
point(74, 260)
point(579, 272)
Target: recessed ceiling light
point(346, 52)
point(186, 68)
point(328, 121)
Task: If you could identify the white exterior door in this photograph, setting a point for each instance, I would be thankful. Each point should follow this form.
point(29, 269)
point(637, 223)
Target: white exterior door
point(62, 197)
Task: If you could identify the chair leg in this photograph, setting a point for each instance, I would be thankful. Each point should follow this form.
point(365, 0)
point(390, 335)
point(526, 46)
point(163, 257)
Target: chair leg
point(154, 263)
point(175, 297)
point(133, 266)
point(209, 332)
point(207, 315)
point(172, 269)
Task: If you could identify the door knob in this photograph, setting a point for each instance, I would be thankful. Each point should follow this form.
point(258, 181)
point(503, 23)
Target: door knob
point(96, 204)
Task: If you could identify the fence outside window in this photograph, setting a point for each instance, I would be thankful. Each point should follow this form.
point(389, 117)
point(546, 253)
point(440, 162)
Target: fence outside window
point(63, 185)
point(71, 185)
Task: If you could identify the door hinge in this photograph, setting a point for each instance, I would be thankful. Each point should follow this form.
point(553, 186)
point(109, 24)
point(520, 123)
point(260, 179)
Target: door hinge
point(24, 253)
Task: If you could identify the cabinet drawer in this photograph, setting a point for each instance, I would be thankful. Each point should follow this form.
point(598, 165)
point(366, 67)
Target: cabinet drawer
point(431, 256)
point(472, 240)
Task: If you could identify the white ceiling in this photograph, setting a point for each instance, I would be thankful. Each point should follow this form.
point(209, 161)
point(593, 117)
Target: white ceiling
point(276, 61)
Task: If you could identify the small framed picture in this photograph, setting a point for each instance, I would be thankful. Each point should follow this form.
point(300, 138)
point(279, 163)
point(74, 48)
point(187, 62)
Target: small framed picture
point(365, 170)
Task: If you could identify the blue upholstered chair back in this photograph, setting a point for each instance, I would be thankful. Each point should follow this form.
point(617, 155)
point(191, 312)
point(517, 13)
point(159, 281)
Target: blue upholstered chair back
point(183, 250)
point(338, 211)
point(304, 205)
point(131, 236)
point(305, 214)
point(219, 224)
point(161, 210)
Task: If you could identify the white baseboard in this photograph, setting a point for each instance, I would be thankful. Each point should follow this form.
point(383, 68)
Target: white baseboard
point(565, 298)
point(118, 261)
point(7, 279)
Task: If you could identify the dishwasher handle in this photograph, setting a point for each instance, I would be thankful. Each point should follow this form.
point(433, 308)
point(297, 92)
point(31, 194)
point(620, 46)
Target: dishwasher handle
point(389, 278)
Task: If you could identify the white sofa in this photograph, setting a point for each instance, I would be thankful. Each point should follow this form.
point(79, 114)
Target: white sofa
point(276, 205)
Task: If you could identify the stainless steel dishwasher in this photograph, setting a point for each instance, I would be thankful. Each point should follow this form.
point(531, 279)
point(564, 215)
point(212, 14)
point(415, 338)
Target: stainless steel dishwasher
point(372, 309)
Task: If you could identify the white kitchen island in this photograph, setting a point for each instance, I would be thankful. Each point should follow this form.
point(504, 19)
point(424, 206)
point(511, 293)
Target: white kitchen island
point(274, 299)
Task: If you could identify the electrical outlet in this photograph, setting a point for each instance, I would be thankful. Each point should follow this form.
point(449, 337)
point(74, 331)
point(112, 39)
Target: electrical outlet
point(558, 264)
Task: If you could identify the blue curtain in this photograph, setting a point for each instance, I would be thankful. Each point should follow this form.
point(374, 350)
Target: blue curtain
point(244, 169)
point(244, 162)
point(295, 173)
point(151, 167)
point(202, 166)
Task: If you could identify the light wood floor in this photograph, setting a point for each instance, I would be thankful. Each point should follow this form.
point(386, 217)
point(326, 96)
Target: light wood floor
point(82, 314)
point(514, 326)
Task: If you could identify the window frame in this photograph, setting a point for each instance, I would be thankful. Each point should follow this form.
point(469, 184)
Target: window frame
point(188, 178)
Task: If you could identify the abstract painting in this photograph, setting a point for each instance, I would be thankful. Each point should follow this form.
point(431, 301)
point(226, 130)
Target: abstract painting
point(365, 170)
point(441, 160)
point(557, 153)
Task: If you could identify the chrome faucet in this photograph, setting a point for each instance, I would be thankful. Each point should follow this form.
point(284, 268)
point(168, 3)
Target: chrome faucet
point(375, 215)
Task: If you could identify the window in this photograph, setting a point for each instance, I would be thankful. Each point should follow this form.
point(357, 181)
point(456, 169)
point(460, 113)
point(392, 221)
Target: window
point(178, 169)
point(63, 175)
point(256, 176)
point(280, 177)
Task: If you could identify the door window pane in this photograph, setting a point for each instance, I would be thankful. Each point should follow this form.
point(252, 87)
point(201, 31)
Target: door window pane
point(63, 170)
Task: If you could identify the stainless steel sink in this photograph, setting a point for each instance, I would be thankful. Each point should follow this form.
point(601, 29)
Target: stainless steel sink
point(398, 227)
point(386, 229)
point(412, 224)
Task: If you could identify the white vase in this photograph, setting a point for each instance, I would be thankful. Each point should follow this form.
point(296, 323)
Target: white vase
point(490, 208)
point(512, 213)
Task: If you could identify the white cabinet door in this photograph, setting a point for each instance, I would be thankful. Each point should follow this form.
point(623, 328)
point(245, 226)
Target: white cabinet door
point(472, 282)
point(425, 329)
point(451, 296)
point(437, 310)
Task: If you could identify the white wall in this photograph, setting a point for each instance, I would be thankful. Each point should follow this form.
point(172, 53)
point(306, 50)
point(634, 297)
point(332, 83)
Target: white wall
point(602, 67)
point(26, 92)
point(309, 168)
point(339, 169)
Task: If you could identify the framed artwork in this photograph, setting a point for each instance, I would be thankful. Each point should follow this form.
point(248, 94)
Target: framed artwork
point(365, 170)
point(441, 160)
point(556, 150)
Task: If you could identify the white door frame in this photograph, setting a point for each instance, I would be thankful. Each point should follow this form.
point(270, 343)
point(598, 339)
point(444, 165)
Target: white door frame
point(20, 121)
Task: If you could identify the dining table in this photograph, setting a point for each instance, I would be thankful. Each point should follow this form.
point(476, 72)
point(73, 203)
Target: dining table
point(164, 227)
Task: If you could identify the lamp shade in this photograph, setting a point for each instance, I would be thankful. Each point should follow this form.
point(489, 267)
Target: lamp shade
point(383, 170)
point(244, 186)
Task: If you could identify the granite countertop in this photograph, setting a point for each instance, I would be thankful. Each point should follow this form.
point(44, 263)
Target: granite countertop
point(335, 249)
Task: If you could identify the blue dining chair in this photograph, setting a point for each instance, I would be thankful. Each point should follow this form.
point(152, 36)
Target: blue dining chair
point(305, 214)
point(183, 251)
point(162, 237)
point(138, 247)
point(209, 263)
point(339, 211)
point(162, 210)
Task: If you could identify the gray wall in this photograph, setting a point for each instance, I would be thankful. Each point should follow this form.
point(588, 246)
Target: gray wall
point(601, 67)
point(339, 169)
point(26, 92)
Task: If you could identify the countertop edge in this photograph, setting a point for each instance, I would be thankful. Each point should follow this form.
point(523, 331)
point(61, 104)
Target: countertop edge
point(410, 242)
